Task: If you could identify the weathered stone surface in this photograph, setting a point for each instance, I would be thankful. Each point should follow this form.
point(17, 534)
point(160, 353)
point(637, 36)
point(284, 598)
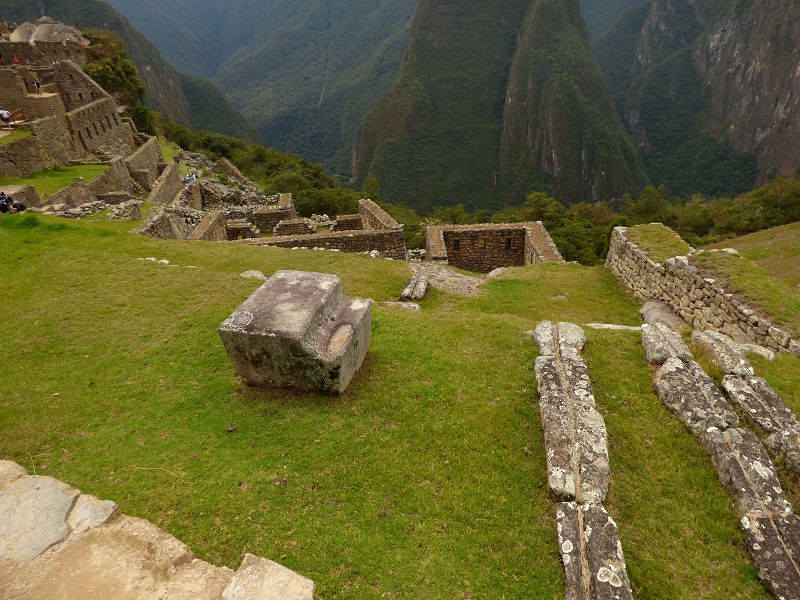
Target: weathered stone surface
point(723, 351)
point(416, 288)
point(594, 564)
point(575, 433)
point(662, 343)
point(655, 311)
point(299, 331)
point(262, 579)
point(613, 327)
point(90, 512)
point(774, 544)
point(33, 515)
point(559, 338)
point(693, 396)
point(786, 445)
point(760, 403)
point(253, 275)
point(10, 471)
point(759, 350)
point(745, 470)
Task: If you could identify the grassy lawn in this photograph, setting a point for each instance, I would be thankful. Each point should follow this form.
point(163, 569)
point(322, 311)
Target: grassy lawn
point(776, 297)
point(425, 480)
point(14, 136)
point(170, 150)
point(658, 241)
point(777, 250)
point(50, 181)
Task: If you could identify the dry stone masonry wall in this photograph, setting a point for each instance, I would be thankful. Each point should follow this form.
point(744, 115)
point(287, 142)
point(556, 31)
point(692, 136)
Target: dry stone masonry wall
point(54, 539)
point(700, 301)
point(578, 467)
point(771, 529)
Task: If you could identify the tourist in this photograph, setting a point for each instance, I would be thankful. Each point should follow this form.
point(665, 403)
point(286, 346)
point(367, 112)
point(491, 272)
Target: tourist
point(5, 117)
point(38, 85)
point(5, 203)
point(27, 61)
point(16, 61)
point(17, 207)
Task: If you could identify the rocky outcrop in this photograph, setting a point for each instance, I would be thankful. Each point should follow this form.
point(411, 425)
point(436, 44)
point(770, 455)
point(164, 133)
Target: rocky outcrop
point(299, 331)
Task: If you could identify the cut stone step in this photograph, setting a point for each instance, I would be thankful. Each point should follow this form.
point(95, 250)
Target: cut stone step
point(299, 331)
point(594, 565)
point(575, 433)
point(760, 403)
point(662, 343)
point(556, 339)
point(724, 352)
point(693, 396)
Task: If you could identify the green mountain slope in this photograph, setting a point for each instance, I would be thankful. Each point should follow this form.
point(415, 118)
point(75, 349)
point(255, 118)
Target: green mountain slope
point(708, 90)
point(600, 15)
point(304, 73)
point(492, 103)
point(165, 86)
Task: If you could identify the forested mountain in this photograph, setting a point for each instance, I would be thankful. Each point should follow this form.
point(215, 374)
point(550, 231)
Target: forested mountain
point(304, 72)
point(165, 90)
point(493, 102)
point(600, 15)
point(709, 89)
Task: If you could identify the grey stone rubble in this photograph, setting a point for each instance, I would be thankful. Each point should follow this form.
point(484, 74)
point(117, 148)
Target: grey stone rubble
point(299, 331)
point(576, 449)
point(693, 396)
point(759, 350)
point(662, 343)
point(594, 565)
point(723, 351)
point(416, 288)
point(58, 543)
point(416, 255)
point(127, 211)
point(79, 212)
point(771, 529)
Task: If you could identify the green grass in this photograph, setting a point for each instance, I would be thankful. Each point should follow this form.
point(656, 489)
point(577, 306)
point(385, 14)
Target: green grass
point(658, 241)
point(774, 296)
point(425, 480)
point(14, 136)
point(777, 250)
point(50, 181)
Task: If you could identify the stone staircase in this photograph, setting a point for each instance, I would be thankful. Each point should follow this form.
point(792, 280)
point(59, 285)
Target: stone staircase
point(239, 229)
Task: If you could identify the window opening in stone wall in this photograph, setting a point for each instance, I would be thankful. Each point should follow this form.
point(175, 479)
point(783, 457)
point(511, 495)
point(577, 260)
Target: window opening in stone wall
point(456, 245)
point(508, 243)
point(80, 96)
point(481, 243)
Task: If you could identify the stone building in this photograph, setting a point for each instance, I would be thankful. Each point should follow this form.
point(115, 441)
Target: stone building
point(41, 43)
point(483, 248)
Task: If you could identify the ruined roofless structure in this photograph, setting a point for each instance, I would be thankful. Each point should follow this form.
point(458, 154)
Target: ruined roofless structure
point(483, 248)
point(42, 42)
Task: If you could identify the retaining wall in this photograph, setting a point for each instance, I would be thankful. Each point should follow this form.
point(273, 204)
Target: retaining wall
point(702, 302)
point(115, 179)
point(390, 244)
point(166, 186)
point(143, 164)
point(211, 229)
point(374, 217)
point(266, 219)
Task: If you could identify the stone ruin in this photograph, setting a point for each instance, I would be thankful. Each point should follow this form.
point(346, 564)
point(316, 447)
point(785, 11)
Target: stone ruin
point(41, 42)
point(484, 248)
point(299, 331)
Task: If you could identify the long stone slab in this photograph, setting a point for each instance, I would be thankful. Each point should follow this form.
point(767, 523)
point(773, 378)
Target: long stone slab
point(786, 445)
point(594, 564)
point(575, 433)
point(693, 396)
point(760, 403)
point(662, 343)
point(299, 331)
point(262, 579)
point(556, 339)
point(723, 351)
point(773, 542)
point(416, 289)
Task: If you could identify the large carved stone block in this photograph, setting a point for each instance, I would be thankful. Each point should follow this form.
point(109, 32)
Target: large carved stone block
point(693, 396)
point(299, 331)
point(723, 351)
point(594, 564)
point(662, 343)
point(760, 403)
point(555, 339)
point(773, 542)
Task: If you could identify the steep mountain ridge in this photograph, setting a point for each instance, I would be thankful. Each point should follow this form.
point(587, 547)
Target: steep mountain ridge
point(492, 103)
point(165, 86)
point(600, 15)
point(709, 89)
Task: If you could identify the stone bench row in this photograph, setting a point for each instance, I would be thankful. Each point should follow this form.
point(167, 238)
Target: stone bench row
point(771, 529)
point(578, 466)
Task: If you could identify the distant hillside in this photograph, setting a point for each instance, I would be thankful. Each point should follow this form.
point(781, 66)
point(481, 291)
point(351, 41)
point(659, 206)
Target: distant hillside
point(600, 15)
point(708, 89)
point(212, 111)
point(165, 90)
point(495, 103)
point(303, 72)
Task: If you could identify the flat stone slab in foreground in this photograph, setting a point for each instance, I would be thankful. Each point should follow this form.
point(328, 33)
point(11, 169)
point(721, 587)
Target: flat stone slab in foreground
point(760, 403)
point(662, 343)
point(56, 543)
point(594, 564)
point(693, 396)
point(299, 331)
point(557, 339)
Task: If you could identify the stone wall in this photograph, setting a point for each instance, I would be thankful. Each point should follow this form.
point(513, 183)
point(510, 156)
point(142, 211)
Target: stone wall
point(43, 53)
point(294, 227)
point(349, 223)
point(48, 145)
point(98, 128)
point(171, 222)
point(115, 179)
point(166, 186)
point(74, 195)
point(483, 250)
point(75, 87)
point(390, 244)
point(211, 229)
point(374, 217)
point(144, 163)
point(702, 302)
point(266, 219)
